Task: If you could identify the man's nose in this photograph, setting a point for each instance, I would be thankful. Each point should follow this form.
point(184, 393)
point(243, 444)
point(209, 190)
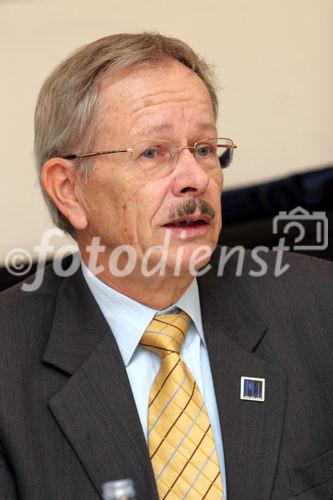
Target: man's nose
point(189, 175)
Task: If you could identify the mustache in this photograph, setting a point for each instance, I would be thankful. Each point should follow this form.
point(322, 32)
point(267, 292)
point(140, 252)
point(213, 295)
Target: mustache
point(188, 207)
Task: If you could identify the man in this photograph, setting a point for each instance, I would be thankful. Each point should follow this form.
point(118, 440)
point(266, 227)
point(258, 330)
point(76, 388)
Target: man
point(131, 367)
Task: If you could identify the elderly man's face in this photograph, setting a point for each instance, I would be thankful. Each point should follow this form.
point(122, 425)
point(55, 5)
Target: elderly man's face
point(127, 206)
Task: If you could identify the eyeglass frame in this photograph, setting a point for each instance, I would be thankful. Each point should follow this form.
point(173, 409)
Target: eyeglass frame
point(131, 148)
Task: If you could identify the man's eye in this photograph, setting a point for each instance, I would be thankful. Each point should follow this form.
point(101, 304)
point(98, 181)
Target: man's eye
point(205, 150)
point(150, 153)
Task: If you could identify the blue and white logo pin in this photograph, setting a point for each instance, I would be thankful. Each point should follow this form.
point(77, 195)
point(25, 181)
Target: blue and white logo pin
point(252, 389)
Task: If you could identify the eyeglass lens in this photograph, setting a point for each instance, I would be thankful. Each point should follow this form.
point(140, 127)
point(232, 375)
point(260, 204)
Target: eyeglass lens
point(160, 157)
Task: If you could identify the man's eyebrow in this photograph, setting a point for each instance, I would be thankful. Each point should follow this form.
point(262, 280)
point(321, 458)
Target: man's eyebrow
point(163, 127)
point(167, 127)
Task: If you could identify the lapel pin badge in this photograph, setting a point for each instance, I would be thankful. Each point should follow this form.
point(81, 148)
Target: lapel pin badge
point(252, 389)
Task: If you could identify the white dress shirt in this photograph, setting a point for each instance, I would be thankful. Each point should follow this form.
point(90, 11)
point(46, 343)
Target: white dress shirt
point(128, 320)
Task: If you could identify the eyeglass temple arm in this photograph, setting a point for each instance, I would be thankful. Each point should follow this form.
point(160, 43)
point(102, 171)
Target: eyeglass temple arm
point(87, 155)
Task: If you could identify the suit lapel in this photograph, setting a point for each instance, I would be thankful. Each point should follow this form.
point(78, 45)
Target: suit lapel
point(96, 409)
point(251, 430)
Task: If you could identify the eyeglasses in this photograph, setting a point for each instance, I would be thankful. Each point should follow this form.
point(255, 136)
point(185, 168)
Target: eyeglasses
point(159, 157)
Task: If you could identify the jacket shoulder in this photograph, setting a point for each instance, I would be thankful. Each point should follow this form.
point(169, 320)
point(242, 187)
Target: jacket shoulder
point(26, 311)
point(277, 287)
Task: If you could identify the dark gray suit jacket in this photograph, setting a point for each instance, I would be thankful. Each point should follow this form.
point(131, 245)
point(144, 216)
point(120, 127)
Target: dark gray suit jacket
point(68, 420)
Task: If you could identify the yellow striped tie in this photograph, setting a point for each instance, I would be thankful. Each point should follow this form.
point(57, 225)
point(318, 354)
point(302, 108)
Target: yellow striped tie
point(180, 438)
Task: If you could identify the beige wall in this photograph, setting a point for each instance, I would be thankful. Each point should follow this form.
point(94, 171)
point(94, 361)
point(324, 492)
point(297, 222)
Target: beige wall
point(273, 59)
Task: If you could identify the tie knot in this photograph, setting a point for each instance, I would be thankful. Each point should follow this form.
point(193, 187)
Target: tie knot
point(166, 333)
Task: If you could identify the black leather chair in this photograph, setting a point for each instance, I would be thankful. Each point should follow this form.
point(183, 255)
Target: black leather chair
point(248, 212)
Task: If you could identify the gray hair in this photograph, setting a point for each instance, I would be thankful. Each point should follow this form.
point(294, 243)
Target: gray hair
point(65, 115)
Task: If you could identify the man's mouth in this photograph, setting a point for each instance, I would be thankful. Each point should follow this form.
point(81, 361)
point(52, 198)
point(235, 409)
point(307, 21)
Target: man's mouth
point(186, 223)
point(189, 222)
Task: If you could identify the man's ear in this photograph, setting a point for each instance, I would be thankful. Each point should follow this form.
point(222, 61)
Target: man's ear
point(61, 181)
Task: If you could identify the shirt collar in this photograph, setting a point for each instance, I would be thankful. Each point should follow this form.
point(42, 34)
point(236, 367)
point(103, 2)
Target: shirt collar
point(128, 319)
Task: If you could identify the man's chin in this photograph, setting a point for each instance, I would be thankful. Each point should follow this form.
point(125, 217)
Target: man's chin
point(197, 260)
point(178, 262)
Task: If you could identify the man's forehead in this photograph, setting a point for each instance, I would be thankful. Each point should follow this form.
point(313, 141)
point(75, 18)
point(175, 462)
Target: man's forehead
point(153, 105)
point(149, 84)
